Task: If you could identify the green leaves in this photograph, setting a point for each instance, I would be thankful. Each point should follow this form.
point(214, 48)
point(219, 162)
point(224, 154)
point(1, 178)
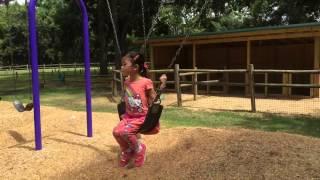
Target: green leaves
point(60, 34)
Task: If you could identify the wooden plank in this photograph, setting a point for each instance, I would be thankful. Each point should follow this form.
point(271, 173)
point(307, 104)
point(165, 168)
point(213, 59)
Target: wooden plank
point(214, 70)
point(316, 71)
point(162, 71)
point(235, 37)
point(289, 85)
point(185, 85)
point(192, 73)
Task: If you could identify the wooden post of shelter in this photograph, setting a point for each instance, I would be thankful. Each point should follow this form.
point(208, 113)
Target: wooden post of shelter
point(315, 78)
point(177, 84)
point(248, 64)
point(251, 87)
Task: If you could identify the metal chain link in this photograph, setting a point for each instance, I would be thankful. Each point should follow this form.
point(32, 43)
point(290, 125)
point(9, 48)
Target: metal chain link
point(186, 37)
point(153, 23)
point(114, 27)
point(143, 27)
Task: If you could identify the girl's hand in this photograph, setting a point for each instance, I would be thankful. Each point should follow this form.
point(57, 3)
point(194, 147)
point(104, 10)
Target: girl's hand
point(163, 78)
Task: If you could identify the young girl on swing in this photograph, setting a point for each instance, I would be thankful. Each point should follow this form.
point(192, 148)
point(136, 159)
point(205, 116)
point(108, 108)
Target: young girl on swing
point(139, 94)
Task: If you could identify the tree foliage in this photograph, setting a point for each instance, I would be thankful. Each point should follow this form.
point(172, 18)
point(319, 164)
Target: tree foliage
point(60, 33)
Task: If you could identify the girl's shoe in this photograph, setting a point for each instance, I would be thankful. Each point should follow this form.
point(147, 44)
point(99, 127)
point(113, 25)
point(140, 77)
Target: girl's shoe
point(125, 158)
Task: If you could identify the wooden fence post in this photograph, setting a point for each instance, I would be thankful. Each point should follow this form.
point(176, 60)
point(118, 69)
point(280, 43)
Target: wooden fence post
point(251, 87)
point(44, 73)
point(75, 68)
point(114, 84)
point(226, 81)
point(122, 83)
point(177, 84)
point(208, 85)
point(195, 85)
point(266, 82)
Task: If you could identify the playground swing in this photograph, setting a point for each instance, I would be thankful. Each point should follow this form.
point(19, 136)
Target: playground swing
point(18, 105)
point(155, 109)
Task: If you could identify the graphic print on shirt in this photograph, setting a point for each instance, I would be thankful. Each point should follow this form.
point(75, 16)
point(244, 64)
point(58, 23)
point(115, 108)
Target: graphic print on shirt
point(134, 101)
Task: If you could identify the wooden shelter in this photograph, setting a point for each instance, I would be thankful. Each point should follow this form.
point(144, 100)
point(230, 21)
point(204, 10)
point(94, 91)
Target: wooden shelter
point(290, 47)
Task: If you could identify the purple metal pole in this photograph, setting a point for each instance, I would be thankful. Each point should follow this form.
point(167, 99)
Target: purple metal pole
point(86, 51)
point(35, 74)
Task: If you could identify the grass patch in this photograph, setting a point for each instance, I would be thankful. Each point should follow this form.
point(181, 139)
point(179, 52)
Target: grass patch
point(71, 96)
point(309, 126)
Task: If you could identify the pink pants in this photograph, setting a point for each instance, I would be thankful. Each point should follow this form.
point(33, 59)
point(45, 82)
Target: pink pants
point(126, 132)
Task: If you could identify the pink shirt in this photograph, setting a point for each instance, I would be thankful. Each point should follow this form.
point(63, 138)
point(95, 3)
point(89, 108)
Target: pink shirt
point(136, 97)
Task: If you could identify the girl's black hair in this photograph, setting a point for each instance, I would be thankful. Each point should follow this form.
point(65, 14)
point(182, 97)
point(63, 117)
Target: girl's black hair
point(138, 59)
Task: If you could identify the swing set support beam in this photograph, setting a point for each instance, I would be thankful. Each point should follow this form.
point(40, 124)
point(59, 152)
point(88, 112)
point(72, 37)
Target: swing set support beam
point(35, 73)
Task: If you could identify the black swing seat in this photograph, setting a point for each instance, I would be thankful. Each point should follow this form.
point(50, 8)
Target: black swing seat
point(152, 117)
point(20, 107)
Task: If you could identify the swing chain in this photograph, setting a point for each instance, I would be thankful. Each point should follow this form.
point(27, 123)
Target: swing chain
point(188, 33)
point(143, 26)
point(114, 27)
point(153, 23)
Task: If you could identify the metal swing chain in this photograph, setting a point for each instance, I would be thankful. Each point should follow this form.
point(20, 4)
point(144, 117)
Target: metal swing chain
point(143, 27)
point(11, 56)
point(153, 23)
point(114, 28)
point(186, 37)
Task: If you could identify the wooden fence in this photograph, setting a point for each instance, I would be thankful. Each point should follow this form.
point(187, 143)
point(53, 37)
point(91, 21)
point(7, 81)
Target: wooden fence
point(249, 73)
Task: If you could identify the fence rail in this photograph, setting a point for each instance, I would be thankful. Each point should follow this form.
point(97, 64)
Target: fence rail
point(48, 66)
point(249, 83)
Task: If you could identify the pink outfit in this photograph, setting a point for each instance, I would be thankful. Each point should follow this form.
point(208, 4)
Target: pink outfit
point(136, 109)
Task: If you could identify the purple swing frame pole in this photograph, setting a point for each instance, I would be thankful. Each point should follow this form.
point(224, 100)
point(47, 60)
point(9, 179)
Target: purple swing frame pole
point(35, 73)
point(86, 54)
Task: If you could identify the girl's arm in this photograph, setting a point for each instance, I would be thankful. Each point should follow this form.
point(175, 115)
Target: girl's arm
point(151, 93)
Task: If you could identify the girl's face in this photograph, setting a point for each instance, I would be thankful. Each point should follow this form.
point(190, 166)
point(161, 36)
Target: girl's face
point(127, 68)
